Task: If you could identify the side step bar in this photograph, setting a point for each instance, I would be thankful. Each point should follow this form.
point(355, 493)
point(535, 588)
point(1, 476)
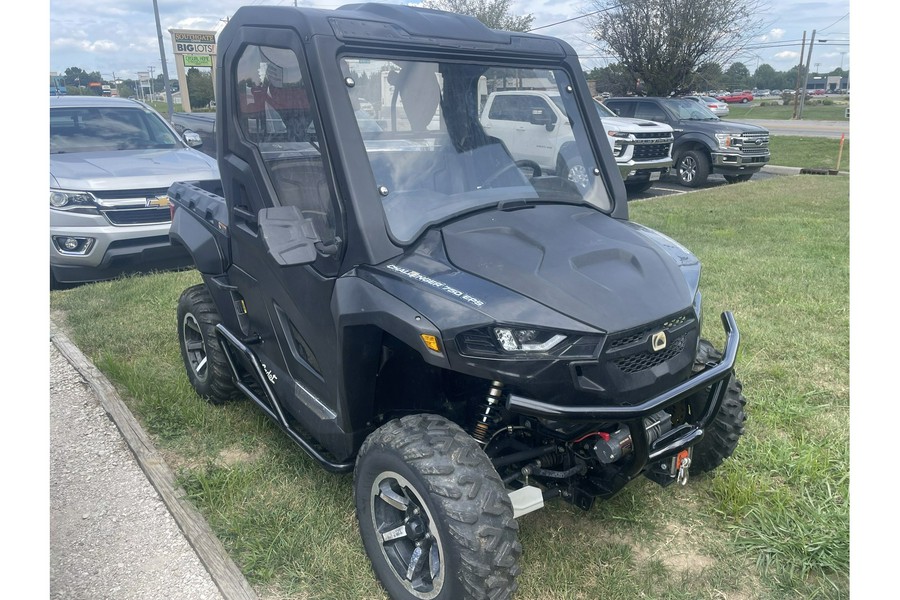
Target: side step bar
point(270, 404)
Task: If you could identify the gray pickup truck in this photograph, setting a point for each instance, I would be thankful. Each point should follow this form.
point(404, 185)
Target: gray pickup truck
point(704, 144)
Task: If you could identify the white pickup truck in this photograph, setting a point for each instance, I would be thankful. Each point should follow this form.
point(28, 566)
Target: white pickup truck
point(533, 122)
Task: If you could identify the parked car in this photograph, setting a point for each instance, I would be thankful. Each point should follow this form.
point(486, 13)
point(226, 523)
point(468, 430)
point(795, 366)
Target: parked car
point(535, 122)
point(717, 107)
point(112, 161)
point(704, 144)
point(743, 97)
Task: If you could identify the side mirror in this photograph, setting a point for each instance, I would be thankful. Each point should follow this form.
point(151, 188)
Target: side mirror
point(191, 138)
point(289, 237)
point(540, 117)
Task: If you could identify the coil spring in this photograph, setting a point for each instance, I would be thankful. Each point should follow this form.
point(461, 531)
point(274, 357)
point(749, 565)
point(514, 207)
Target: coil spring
point(487, 421)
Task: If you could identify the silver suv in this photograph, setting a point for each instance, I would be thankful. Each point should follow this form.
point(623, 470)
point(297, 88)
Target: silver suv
point(112, 161)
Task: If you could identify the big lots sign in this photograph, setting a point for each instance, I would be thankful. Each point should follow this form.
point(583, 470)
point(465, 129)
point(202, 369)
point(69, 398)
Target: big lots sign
point(193, 42)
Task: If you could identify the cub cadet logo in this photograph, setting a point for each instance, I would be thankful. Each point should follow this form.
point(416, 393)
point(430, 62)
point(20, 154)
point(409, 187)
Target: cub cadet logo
point(156, 202)
point(658, 341)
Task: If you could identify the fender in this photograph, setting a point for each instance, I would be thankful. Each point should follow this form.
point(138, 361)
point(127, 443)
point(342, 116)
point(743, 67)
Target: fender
point(186, 230)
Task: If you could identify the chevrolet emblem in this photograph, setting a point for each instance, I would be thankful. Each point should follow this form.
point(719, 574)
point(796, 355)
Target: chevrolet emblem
point(658, 341)
point(156, 202)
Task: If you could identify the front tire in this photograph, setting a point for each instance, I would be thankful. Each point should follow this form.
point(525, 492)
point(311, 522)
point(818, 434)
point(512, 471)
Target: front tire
point(434, 516)
point(204, 359)
point(724, 433)
point(692, 168)
point(638, 187)
point(738, 178)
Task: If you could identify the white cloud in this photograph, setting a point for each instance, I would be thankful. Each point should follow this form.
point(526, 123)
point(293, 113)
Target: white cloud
point(775, 34)
point(787, 55)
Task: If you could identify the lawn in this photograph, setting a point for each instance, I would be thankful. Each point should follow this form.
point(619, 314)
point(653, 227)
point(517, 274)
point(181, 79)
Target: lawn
point(771, 523)
point(819, 112)
point(809, 152)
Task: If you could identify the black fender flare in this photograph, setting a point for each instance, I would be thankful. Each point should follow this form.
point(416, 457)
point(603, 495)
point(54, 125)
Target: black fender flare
point(209, 258)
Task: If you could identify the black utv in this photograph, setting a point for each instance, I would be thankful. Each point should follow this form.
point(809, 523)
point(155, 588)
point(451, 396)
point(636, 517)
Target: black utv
point(413, 300)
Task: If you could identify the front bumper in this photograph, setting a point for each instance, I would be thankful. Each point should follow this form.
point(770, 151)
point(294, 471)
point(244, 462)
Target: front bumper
point(730, 161)
point(115, 250)
point(713, 380)
point(633, 169)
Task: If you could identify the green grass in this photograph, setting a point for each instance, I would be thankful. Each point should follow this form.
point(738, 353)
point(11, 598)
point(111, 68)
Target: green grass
point(809, 152)
point(771, 523)
point(816, 112)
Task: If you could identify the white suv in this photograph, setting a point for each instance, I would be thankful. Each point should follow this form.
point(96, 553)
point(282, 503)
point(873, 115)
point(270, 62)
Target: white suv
point(533, 122)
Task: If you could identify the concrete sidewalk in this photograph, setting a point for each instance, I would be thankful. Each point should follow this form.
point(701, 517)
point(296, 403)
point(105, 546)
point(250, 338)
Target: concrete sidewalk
point(112, 535)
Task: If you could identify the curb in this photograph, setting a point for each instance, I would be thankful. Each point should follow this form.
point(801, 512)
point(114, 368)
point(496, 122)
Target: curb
point(222, 569)
point(777, 170)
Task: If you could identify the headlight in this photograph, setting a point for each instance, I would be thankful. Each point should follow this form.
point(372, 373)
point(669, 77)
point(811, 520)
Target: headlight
point(729, 140)
point(67, 200)
point(527, 340)
point(618, 134)
point(527, 343)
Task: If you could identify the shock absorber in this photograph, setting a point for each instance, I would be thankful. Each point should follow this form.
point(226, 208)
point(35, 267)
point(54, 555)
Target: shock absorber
point(487, 420)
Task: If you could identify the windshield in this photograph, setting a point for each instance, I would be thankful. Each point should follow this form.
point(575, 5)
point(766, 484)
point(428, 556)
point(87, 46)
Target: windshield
point(690, 110)
point(105, 129)
point(603, 110)
point(445, 139)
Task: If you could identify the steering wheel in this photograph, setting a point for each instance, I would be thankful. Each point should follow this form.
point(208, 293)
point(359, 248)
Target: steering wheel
point(519, 164)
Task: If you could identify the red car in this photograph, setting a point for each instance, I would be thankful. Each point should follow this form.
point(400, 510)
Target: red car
point(742, 97)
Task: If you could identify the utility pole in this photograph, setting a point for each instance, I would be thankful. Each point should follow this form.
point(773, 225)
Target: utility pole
point(150, 68)
point(162, 58)
point(812, 40)
point(799, 73)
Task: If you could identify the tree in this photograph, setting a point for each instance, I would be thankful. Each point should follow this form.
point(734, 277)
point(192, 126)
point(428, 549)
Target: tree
point(708, 76)
point(493, 13)
point(662, 42)
point(614, 78)
point(766, 77)
point(737, 76)
point(200, 88)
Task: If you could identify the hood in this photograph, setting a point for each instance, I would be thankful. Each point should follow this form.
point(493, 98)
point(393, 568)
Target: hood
point(720, 126)
point(577, 261)
point(129, 169)
point(634, 125)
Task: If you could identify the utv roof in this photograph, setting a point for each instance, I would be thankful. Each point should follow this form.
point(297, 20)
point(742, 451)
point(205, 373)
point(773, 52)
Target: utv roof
point(392, 24)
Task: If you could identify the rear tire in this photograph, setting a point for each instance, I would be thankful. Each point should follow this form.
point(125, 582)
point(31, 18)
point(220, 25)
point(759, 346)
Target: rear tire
point(692, 168)
point(434, 516)
point(724, 433)
point(204, 359)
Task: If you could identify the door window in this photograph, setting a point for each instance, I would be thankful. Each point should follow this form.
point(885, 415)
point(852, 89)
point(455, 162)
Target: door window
point(277, 116)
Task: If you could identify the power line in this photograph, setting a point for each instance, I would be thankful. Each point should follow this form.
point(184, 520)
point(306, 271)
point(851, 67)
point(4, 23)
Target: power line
point(590, 14)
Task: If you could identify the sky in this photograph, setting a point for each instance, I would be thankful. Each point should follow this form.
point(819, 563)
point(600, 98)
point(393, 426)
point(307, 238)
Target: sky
point(119, 37)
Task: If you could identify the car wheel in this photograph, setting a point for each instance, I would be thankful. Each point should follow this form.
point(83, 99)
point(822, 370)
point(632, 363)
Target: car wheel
point(636, 187)
point(692, 168)
point(724, 433)
point(204, 358)
point(738, 178)
point(434, 516)
point(744, 101)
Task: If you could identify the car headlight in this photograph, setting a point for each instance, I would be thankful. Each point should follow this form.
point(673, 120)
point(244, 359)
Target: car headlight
point(527, 340)
point(729, 140)
point(70, 200)
point(527, 343)
point(618, 134)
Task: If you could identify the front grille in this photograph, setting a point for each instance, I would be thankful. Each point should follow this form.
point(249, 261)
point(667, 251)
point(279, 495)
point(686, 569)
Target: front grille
point(140, 194)
point(754, 143)
point(646, 135)
point(636, 363)
point(137, 216)
point(650, 151)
